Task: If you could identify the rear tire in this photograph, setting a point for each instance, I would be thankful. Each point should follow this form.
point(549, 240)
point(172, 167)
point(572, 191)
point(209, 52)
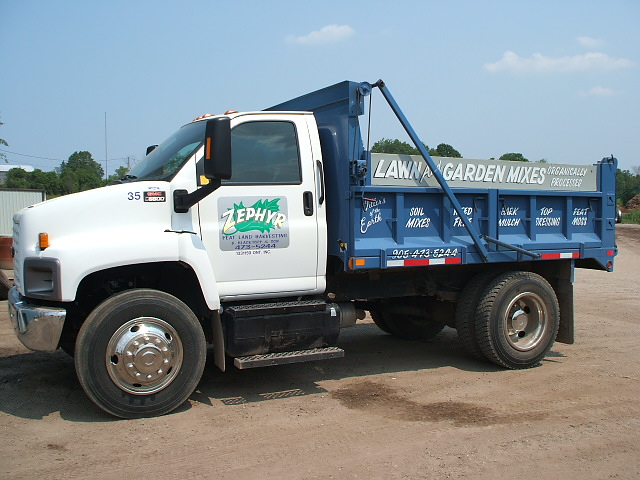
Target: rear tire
point(409, 327)
point(517, 319)
point(378, 319)
point(140, 353)
point(466, 313)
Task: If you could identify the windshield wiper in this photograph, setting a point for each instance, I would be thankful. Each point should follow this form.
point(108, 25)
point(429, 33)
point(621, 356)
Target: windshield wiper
point(126, 178)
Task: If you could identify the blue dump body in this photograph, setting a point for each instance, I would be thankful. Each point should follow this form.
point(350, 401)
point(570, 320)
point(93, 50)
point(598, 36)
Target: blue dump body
point(389, 211)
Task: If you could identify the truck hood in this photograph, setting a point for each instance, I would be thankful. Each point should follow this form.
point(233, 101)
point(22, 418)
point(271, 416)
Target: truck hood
point(97, 210)
point(98, 228)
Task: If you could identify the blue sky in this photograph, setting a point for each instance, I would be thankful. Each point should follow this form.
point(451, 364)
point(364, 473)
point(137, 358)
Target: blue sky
point(558, 80)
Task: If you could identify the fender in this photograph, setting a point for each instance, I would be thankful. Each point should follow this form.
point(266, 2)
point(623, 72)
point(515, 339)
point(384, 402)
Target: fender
point(191, 251)
point(88, 253)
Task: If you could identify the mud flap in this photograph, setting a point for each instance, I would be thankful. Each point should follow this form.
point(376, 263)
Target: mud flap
point(218, 341)
point(566, 330)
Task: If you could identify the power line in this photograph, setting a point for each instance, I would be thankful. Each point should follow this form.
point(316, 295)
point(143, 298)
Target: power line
point(48, 158)
point(32, 156)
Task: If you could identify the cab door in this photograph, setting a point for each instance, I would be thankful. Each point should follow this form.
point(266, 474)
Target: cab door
point(260, 228)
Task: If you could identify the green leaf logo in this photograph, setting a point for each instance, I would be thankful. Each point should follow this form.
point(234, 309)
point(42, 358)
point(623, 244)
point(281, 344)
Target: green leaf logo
point(263, 216)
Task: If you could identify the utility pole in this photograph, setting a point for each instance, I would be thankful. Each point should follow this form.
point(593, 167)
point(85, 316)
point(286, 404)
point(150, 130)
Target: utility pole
point(106, 157)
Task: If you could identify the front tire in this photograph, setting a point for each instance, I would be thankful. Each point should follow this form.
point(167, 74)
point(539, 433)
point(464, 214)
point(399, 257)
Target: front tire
point(517, 319)
point(140, 353)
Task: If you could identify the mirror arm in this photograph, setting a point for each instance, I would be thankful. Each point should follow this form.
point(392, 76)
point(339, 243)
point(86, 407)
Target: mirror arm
point(183, 200)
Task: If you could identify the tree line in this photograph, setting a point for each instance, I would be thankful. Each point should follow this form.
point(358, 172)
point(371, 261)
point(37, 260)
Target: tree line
point(387, 145)
point(81, 172)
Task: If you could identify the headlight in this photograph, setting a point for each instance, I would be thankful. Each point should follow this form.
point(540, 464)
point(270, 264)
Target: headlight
point(41, 277)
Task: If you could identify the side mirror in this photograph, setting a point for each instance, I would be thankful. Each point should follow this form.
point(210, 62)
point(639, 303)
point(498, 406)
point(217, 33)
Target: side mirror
point(217, 149)
point(151, 148)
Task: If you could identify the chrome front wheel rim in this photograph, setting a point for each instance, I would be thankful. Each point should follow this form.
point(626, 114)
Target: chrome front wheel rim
point(144, 355)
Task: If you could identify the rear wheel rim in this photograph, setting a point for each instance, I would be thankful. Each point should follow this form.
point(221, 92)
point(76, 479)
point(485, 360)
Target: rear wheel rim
point(526, 321)
point(144, 355)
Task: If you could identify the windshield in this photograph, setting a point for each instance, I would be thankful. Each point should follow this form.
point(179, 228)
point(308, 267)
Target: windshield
point(163, 162)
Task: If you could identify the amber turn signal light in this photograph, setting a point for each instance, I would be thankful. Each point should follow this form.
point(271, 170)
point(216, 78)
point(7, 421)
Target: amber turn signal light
point(356, 262)
point(43, 240)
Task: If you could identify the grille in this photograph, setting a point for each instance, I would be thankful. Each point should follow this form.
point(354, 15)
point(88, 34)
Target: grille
point(17, 260)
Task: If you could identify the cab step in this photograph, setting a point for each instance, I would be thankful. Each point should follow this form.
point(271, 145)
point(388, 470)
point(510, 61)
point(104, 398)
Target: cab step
point(276, 308)
point(269, 359)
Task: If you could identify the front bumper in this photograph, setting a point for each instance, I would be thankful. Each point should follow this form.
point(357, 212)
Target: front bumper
point(37, 327)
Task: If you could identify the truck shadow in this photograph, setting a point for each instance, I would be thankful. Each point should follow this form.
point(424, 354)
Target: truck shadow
point(368, 352)
point(35, 385)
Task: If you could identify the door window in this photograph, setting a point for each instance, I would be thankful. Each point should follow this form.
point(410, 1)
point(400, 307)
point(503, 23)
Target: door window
point(265, 153)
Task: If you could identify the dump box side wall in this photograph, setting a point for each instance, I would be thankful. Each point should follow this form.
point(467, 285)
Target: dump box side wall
point(399, 226)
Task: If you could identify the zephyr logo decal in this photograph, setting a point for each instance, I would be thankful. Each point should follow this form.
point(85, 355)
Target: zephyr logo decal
point(262, 216)
point(258, 229)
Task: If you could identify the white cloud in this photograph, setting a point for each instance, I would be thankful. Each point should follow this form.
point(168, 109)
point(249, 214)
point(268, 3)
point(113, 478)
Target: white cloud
point(590, 42)
point(328, 34)
point(538, 63)
point(599, 92)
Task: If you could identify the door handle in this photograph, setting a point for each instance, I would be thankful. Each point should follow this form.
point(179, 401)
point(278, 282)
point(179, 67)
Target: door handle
point(321, 175)
point(307, 198)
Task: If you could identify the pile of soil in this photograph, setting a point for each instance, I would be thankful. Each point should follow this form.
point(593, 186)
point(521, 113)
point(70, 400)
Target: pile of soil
point(5, 285)
point(634, 203)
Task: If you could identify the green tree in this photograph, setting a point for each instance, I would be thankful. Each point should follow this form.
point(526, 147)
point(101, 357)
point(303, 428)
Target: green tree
point(513, 157)
point(627, 185)
point(121, 172)
point(47, 181)
point(396, 146)
point(69, 182)
point(387, 145)
point(444, 150)
point(17, 178)
point(81, 172)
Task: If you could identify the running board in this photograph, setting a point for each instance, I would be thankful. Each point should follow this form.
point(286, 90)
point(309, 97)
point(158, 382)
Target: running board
point(269, 359)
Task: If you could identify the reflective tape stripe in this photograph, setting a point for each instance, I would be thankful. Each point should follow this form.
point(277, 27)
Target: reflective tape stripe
point(553, 256)
point(424, 261)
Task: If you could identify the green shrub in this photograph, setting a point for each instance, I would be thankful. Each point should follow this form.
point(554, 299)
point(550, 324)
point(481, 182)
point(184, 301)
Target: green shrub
point(631, 217)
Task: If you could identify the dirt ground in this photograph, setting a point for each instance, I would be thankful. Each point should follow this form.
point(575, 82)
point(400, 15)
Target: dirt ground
point(390, 409)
